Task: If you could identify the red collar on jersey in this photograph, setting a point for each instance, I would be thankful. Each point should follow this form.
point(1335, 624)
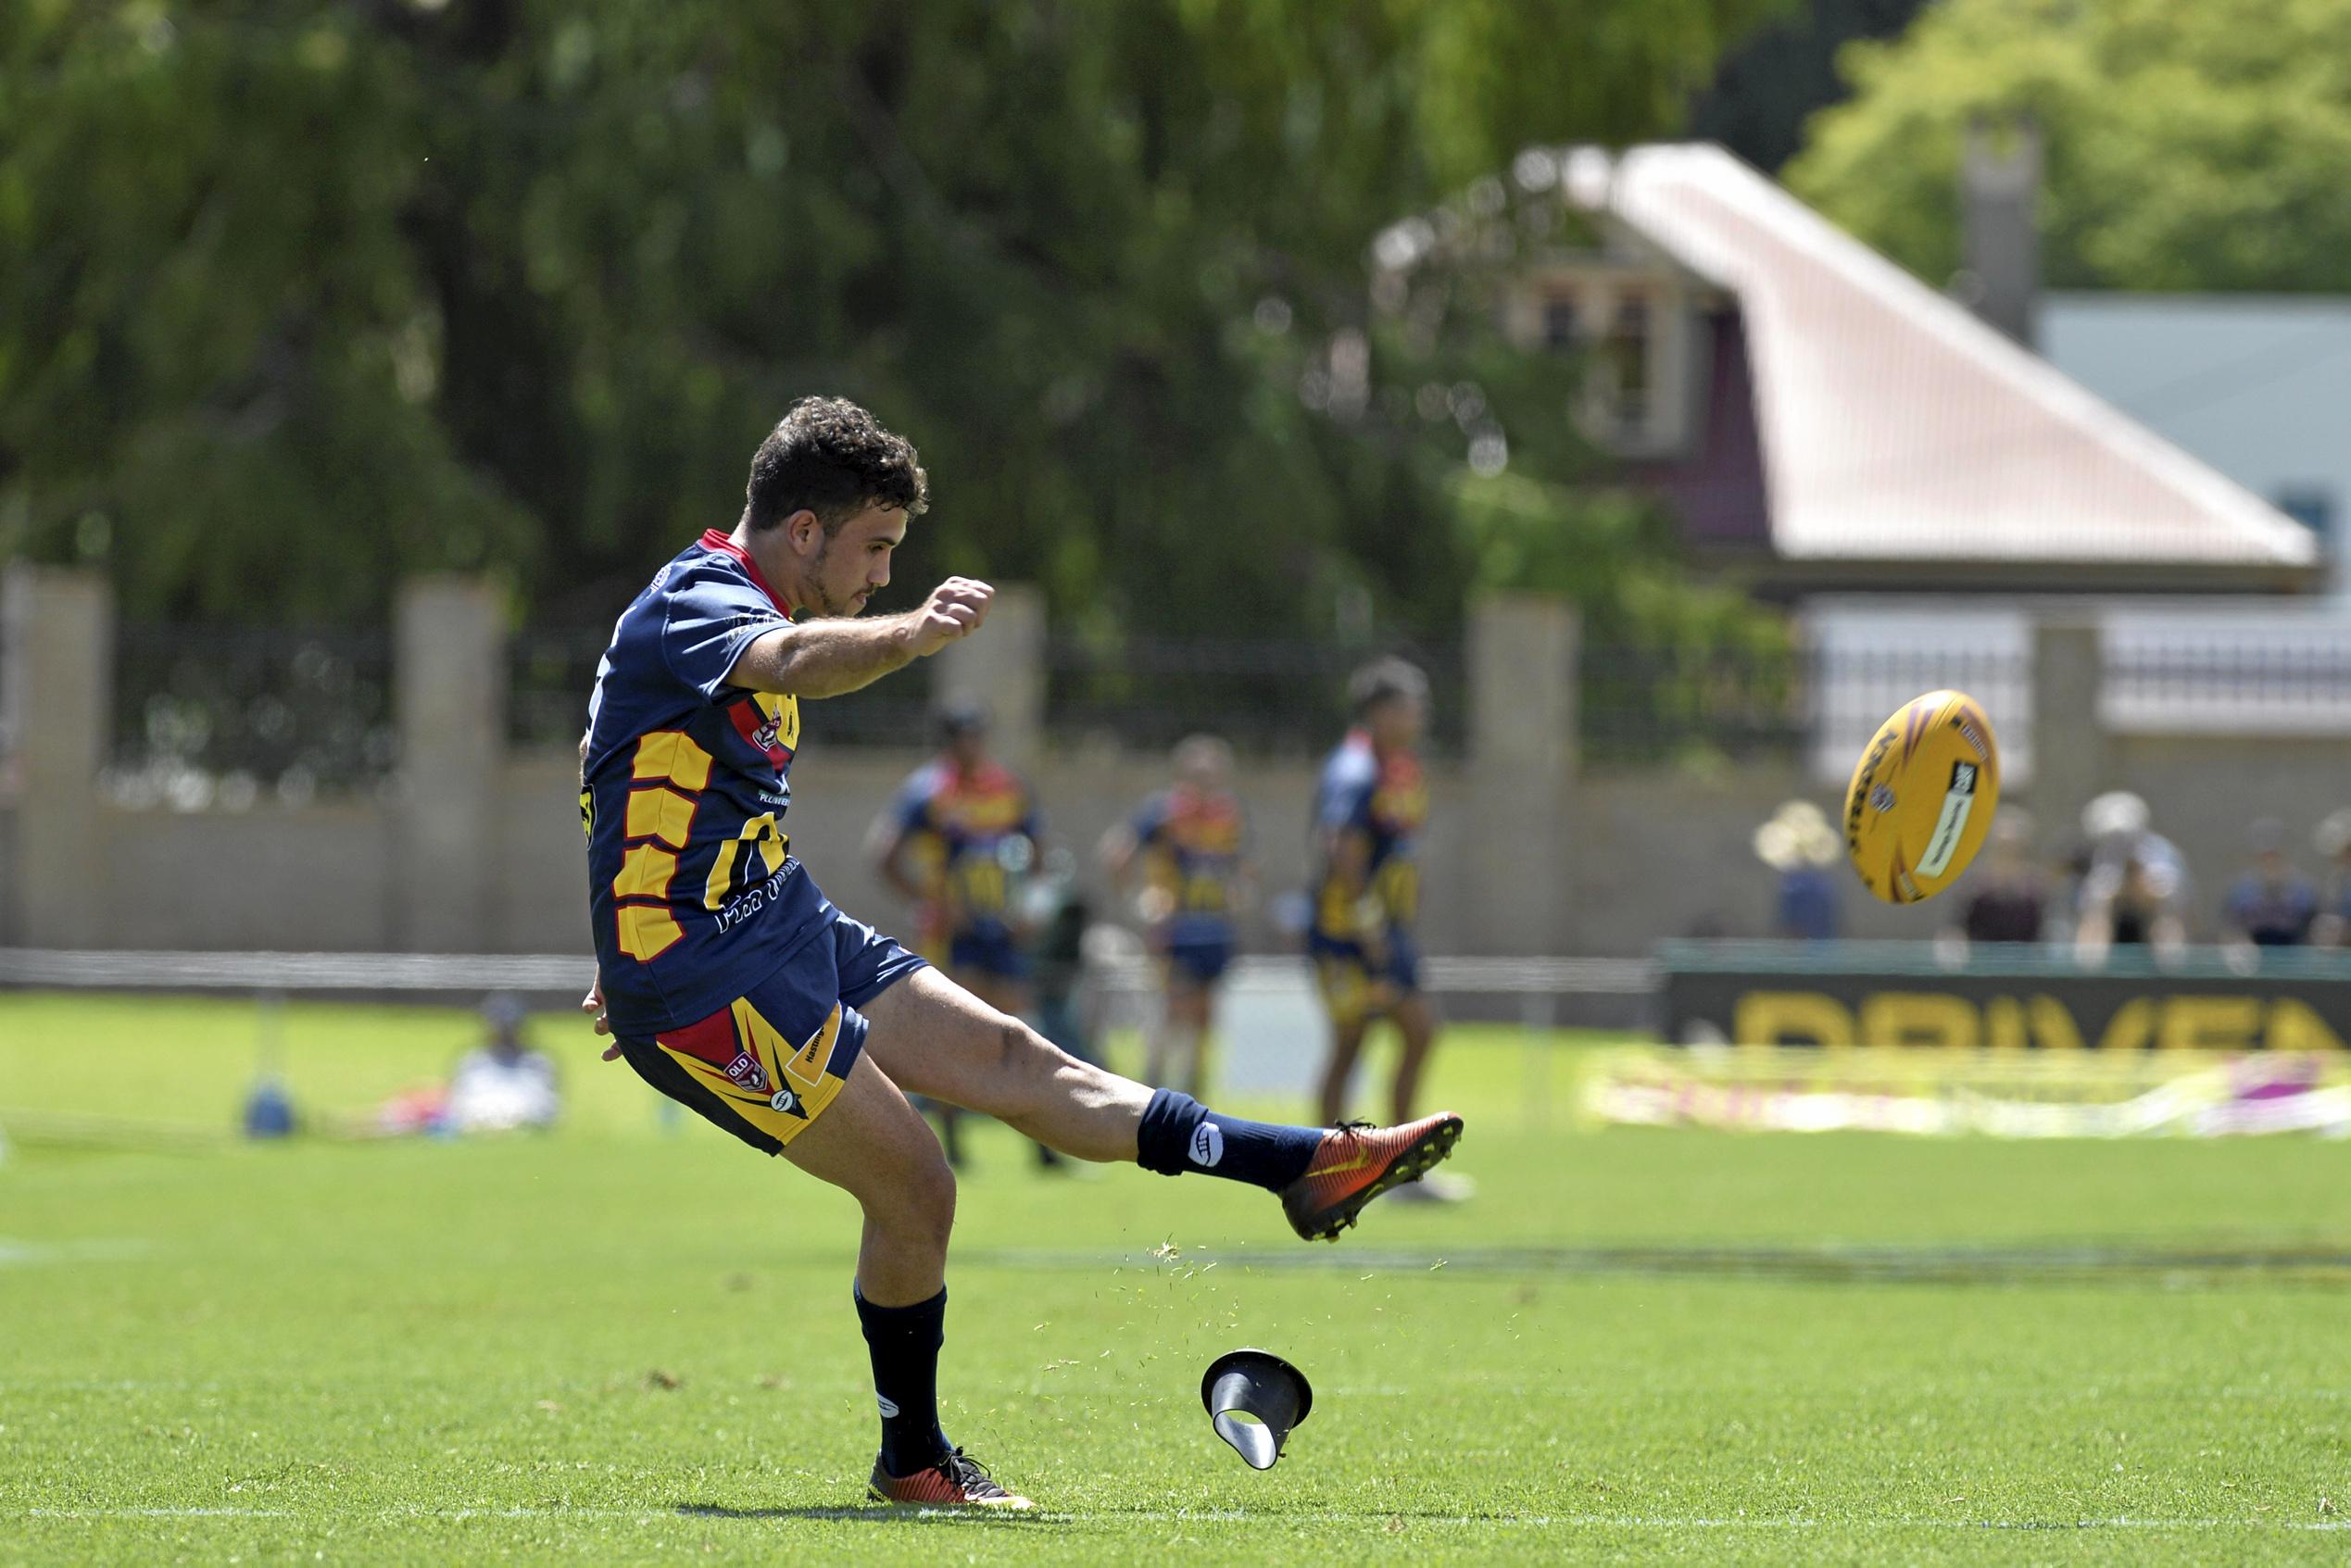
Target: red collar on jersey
point(714, 540)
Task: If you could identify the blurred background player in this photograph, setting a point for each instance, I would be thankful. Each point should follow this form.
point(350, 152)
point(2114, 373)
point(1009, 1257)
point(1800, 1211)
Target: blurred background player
point(960, 842)
point(2272, 905)
point(1189, 840)
point(1368, 813)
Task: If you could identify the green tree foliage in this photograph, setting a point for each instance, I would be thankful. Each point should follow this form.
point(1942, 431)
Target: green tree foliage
point(2188, 145)
point(299, 296)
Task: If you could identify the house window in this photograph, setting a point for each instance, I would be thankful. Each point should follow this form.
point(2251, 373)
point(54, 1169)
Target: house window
point(1559, 322)
point(2312, 505)
point(1627, 328)
point(1622, 366)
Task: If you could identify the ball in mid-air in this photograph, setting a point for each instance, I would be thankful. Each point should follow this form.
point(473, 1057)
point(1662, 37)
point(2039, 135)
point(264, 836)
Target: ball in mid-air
point(1922, 799)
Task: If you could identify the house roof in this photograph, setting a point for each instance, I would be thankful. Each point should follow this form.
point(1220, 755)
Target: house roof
point(1897, 427)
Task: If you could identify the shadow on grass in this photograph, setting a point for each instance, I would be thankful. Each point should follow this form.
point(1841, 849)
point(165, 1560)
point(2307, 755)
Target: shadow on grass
point(875, 1513)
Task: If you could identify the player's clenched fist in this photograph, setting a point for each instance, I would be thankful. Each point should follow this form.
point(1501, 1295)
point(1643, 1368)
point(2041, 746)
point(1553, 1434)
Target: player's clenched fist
point(954, 610)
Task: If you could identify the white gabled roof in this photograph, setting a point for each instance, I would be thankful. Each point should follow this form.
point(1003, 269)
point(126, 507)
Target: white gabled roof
point(1895, 426)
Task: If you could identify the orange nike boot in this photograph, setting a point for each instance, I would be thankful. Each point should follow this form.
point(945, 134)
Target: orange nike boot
point(1357, 1162)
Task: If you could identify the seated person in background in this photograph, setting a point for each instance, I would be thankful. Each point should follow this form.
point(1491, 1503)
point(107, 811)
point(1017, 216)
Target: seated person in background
point(2272, 905)
point(496, 1088)
point(2332, 840)
point(503, 1083)
point(2011, 898)
point(2130, 904)
point(2007, 896)
point(1799, 843)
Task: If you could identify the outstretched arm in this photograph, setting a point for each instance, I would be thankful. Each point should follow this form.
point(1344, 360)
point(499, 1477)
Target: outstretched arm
point(819, 658)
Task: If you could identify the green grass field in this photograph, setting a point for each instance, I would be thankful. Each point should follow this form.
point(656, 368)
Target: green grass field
point(627, 1342)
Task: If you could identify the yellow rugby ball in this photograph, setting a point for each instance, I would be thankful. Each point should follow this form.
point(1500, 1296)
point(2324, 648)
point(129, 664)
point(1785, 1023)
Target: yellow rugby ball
point(1922, 799)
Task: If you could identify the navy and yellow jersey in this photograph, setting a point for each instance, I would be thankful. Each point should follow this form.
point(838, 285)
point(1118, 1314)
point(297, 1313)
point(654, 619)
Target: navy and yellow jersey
point(1191, 842)
point(961, 825)
point(1385, 803)
point(683, 791)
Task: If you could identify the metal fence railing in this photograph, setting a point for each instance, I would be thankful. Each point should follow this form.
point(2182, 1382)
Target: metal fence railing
point(227, 716)
point(2295, 680)
point(1268, 697)
point(1814, 705)
point(551, 672)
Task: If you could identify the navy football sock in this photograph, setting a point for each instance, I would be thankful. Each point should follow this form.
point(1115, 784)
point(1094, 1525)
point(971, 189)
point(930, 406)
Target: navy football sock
point(1179, 1134)
point(903, 1343)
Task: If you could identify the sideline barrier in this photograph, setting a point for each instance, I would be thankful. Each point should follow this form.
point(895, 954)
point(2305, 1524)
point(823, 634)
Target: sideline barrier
point(1837, 994)
point(2006, 1094)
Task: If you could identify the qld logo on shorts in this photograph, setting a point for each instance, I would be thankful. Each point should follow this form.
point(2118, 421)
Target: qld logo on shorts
point(744, 1072)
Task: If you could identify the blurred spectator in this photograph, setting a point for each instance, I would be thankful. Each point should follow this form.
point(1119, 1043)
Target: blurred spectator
point(2332, 840)
point(2134, 882)
point(498, 1086)
point(2132, 907)
point(502, 1084)
point(1799, 843)
point(2010, 897)
point(2272, 905)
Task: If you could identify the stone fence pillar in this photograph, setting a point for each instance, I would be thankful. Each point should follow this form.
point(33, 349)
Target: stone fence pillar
point(449, 695)
point(1523, 652)
point(56, 650)
point(2069, 758)
point(1001, 667)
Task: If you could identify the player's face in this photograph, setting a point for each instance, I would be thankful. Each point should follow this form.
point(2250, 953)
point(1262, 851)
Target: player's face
point(853, 563)
point(969, 747)
point(1396, 724)
point(1203, 770)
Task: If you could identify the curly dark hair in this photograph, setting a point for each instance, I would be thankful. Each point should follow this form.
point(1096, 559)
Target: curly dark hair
point(831, 457)
point(1384, 681)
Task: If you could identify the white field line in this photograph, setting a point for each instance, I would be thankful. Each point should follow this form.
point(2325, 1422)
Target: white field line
point(1195, 1516)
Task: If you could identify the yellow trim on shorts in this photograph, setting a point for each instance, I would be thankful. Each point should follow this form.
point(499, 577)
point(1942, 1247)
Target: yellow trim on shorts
point(802, 1080)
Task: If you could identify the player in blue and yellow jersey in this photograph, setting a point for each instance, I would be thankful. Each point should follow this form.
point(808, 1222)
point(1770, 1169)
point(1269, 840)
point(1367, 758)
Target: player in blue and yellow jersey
point(1191, 841)
point(960, 840)
point(1368, 814)
point(730, 982)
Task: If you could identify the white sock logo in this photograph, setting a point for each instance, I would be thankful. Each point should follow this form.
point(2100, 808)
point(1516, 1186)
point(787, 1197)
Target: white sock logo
point(890, 1406)
point(1207, 1145)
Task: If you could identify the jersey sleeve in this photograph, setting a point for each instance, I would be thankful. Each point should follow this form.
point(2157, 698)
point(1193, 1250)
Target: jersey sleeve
point(1346, 800)
point(910, 807)
point(709, 620)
